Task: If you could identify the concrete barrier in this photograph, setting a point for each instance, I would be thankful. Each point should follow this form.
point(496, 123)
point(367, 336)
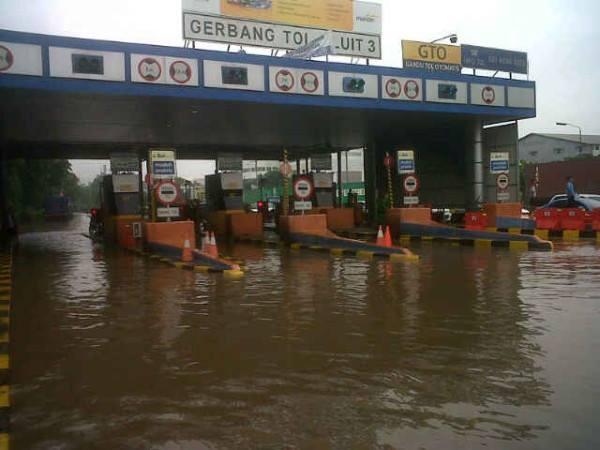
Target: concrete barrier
point(170, 234)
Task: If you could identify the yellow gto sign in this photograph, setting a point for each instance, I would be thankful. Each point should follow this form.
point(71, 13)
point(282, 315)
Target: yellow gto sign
point(433, 57)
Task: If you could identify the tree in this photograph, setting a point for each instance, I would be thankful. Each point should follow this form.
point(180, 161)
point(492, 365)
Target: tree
point(31, 181)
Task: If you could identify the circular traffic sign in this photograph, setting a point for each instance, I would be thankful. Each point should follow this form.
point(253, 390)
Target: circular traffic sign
point(6, 58)
point(411, 89)
point(309, 82)
point(166, 192)
point(411, 184)
point(284, 79)
point(303, 188)
point(285, 169)
point(149, 69)
point(393, 88)
point(488, 95)
point(502, 181)
point(180, 72)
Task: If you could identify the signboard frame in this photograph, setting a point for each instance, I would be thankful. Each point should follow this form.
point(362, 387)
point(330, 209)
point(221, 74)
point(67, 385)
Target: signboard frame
point(431, 57)
point(285, 37)
point(406, 162)
point(311, 190)
point(495, 59)
point(499, 163)
point(165, 157)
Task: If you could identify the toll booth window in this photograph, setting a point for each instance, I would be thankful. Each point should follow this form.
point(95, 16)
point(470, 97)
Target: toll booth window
point(87, 64)
point(447, 91)
point(354, 85)
point(235, 75)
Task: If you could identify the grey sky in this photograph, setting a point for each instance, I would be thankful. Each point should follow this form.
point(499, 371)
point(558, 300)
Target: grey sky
point(560, 36)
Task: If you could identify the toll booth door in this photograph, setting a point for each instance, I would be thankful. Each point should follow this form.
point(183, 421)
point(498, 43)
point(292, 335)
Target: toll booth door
point(501, 139)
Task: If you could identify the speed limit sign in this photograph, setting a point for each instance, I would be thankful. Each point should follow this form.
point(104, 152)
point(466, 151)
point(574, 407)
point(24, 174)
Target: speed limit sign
point(411, 184)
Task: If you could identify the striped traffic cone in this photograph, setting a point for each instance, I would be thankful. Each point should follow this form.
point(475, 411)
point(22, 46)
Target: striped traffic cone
point(380, 238)
point(388, 237)
point(186, 255)
point(213, 250)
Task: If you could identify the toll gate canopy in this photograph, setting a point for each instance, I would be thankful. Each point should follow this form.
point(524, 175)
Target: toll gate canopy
point(79, 98)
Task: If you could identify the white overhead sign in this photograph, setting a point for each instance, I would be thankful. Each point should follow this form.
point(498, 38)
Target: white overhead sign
point(343, 15)
point(22, 59)
point(202, 27)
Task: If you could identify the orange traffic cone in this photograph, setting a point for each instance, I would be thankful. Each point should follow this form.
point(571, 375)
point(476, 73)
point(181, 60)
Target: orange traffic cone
point(388, 237)
point(380, 239)
point(186, 255)
point(212, 249)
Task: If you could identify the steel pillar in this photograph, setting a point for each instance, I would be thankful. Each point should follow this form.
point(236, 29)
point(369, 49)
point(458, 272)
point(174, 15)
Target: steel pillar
point(474, 143)
point(340, 180)
point(370, 162)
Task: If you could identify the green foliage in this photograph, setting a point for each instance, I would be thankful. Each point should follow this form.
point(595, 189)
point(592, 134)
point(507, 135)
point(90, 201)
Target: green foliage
point(31, 181)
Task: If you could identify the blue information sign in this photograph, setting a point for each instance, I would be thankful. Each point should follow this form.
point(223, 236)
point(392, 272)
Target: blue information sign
point(499, 166)
point(406, 165)
point(494, 59)
point(163, 168)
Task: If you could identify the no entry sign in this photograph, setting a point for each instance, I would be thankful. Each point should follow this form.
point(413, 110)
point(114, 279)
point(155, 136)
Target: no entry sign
point(411, 184)
point(166, 192)
point(502, 182)
point(303, 188)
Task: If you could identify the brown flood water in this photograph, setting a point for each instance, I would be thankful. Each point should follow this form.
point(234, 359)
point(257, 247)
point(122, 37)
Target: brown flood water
point(468, 349)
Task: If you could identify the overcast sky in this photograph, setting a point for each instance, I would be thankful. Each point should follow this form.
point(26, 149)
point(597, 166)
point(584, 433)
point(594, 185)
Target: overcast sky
point(560, 36)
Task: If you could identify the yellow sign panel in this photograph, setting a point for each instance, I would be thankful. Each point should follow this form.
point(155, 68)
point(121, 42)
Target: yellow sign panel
point(328, 14)
point(433, 53)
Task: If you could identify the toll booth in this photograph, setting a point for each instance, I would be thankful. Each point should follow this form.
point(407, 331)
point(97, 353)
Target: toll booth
point(121, 204)
point(324, 189)
point(225, 191)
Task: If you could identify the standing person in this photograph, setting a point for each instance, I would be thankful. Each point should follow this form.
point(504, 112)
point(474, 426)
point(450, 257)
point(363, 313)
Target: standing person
point(532, 192)
point(571, 193)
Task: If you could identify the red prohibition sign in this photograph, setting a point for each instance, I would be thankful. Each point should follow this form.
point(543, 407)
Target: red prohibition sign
point(6, 58)
point(309, 82)
point(411, 89)
point(284, 79)
point(147, 71)
point(393, 88)
point(411, 184)
point(180, 72)
point(488, 95)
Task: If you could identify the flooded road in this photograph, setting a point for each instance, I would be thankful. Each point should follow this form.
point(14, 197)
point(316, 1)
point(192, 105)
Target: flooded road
point(467, 349)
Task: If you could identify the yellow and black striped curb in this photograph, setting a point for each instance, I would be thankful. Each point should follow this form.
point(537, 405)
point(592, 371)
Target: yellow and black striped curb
point(5, 300)
point(395, 257)
point(187, 266)
point(566, 235)
point(480, 243)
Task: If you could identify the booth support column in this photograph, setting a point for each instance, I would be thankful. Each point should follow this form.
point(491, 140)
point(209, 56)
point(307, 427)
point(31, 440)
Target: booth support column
point(340, 203)
point(474, 161)
point(370, 162)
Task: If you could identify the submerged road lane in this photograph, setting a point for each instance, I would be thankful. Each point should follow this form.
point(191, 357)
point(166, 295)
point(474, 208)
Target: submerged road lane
point(468, 349)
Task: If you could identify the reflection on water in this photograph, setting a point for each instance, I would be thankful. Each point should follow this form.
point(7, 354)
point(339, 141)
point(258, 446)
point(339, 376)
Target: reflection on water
point(469, 348)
